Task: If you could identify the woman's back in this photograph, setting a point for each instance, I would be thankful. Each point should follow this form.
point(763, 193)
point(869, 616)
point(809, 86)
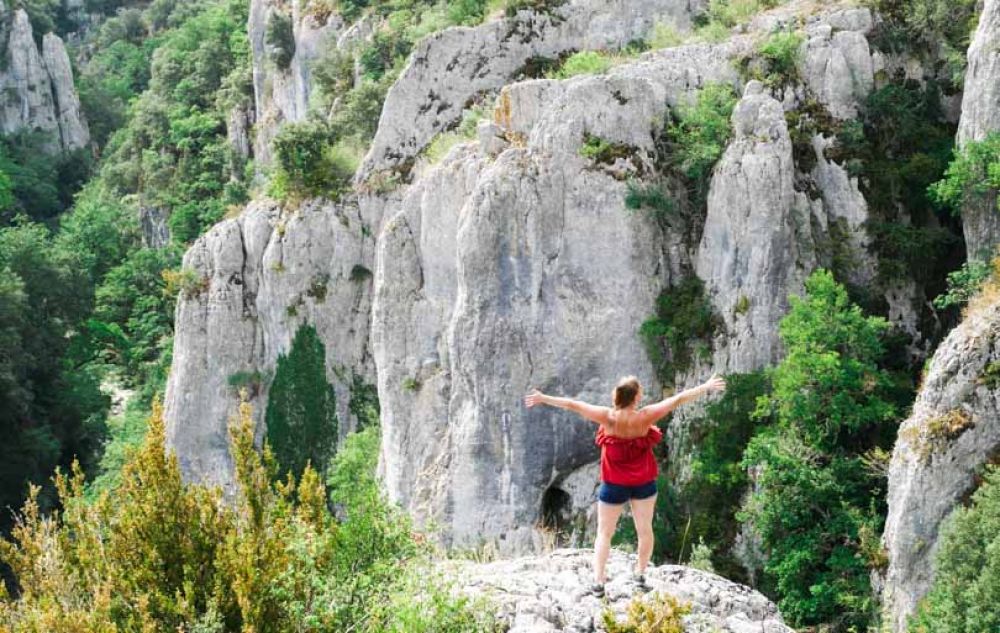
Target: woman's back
point(626, 423)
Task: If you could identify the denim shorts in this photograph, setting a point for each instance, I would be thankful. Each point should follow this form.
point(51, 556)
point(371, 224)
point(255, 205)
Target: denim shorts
point(617, 495)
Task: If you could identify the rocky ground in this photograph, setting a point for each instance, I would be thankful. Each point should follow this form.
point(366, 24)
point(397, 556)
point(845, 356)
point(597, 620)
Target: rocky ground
point(548, 593)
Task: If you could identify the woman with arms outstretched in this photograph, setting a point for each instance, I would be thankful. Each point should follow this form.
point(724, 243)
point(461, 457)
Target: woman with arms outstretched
point(626, 435)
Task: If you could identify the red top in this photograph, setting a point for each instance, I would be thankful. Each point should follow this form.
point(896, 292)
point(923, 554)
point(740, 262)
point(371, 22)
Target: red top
point(628, 461)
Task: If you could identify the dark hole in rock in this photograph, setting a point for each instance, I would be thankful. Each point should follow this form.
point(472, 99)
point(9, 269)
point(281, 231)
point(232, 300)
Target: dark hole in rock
point(556, 504)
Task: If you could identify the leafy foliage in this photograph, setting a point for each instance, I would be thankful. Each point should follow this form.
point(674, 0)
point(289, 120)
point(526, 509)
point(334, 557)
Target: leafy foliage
point(582, 63)
point(965, 595)
point(973, 175)
point(683, 315)
point(662, 613)
point(302, 408)
point(309, 163)
point(813, 502)
point(963, 284)
point(155, 553)
point(280, 39)
point(777, 59)
point(696, 136)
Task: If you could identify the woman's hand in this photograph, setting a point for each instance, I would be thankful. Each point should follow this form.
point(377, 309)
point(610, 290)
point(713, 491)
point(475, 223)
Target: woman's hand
point(534, 398)
point(715, 383)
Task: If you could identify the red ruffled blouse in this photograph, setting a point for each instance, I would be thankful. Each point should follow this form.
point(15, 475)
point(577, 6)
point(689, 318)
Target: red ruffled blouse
point(628, 461)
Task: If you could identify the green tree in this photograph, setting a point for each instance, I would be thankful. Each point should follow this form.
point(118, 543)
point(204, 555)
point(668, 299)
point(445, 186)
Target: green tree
point(814, 503)
point(965, 596)
point(301, 411)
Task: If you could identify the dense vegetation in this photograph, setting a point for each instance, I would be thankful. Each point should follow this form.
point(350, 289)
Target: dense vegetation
point(966, 589)
point(156, 554)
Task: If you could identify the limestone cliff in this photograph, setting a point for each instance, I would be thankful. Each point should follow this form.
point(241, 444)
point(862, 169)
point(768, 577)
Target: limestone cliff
point(513, 262)
point(980, 117)
point(36, 86)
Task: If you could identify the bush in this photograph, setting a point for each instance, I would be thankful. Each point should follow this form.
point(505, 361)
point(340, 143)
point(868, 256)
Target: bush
point(539, 6)
point(730, 13)
point(696, 136)
point(301, 414)
point(963, 284)
point(309, 163)
point(280, 38)
point(655, 197)
point(662, 613)
point(664, 35)
point(683, 315)
point(778, 58)
point(157, 554)
point(582, 63)
point(965, 595)
point(973, 175)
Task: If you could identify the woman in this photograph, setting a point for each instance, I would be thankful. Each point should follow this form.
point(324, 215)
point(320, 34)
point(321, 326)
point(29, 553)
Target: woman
point(626, 436)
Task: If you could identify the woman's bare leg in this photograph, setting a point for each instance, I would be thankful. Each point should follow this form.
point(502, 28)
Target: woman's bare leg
point(607, 521)
point(642, 515)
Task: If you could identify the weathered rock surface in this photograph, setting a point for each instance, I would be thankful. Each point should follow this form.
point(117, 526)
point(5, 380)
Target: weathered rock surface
point(751, 255)
point(980, 117)
point(540, 594)
point(282, 95)
point(255, 280)
point(449, 68)
point(953, 431)
point(837, 62)
point(36, 87)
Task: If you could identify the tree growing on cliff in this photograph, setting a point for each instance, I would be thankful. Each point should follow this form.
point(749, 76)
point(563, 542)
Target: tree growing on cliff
point(302, 408)
point(815, 504)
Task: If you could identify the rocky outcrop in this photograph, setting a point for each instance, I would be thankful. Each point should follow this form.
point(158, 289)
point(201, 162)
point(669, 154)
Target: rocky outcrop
point(837, 63)
point(447, 70)
point(547, 594)
point(953, 430)
point(282, 94)
point(756, 246)
point(249, 284)
point(36, 87)
point(981, 117)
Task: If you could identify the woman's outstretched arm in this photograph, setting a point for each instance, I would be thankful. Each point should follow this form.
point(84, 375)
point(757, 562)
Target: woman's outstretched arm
point(598, 415)
point(654, 412)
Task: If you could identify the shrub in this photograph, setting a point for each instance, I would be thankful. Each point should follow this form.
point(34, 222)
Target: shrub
point(309, 162)
point(603, 151)
point(972, 175)
point(654, 197)
point(661, 613)
point(301, 412)
point(683, 315)
point(696, 136)
point(157, 554)
point(280, 39)
point(664, 35)
point(730, 13)
point(778, 58)
point(582, 63)
point(963, 284)
point(965, 595)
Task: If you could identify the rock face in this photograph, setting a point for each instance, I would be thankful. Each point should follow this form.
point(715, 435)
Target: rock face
point(36, 87)
point(751, 254)
point(448, 69)
point(282, 94)
point(953, 431)
point(980, 117)
point(254, 281)
point(547, 594)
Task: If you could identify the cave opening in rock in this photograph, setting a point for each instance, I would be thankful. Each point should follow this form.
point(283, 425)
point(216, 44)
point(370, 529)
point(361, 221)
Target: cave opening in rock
point(556, 504)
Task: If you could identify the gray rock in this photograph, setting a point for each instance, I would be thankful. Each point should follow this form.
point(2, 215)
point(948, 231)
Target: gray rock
point(449, 68)
point(283, 95)
point(837, 66)
point(25, 89)
point(73, 128)
point(980, 117)
point(548, 593)
point(751, 255)
point(154, 227)
point(953, 430)
point(36, 88)
point(255, 280)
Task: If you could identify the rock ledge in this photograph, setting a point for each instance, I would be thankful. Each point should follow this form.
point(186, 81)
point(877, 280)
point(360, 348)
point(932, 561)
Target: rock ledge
point(546, 594)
